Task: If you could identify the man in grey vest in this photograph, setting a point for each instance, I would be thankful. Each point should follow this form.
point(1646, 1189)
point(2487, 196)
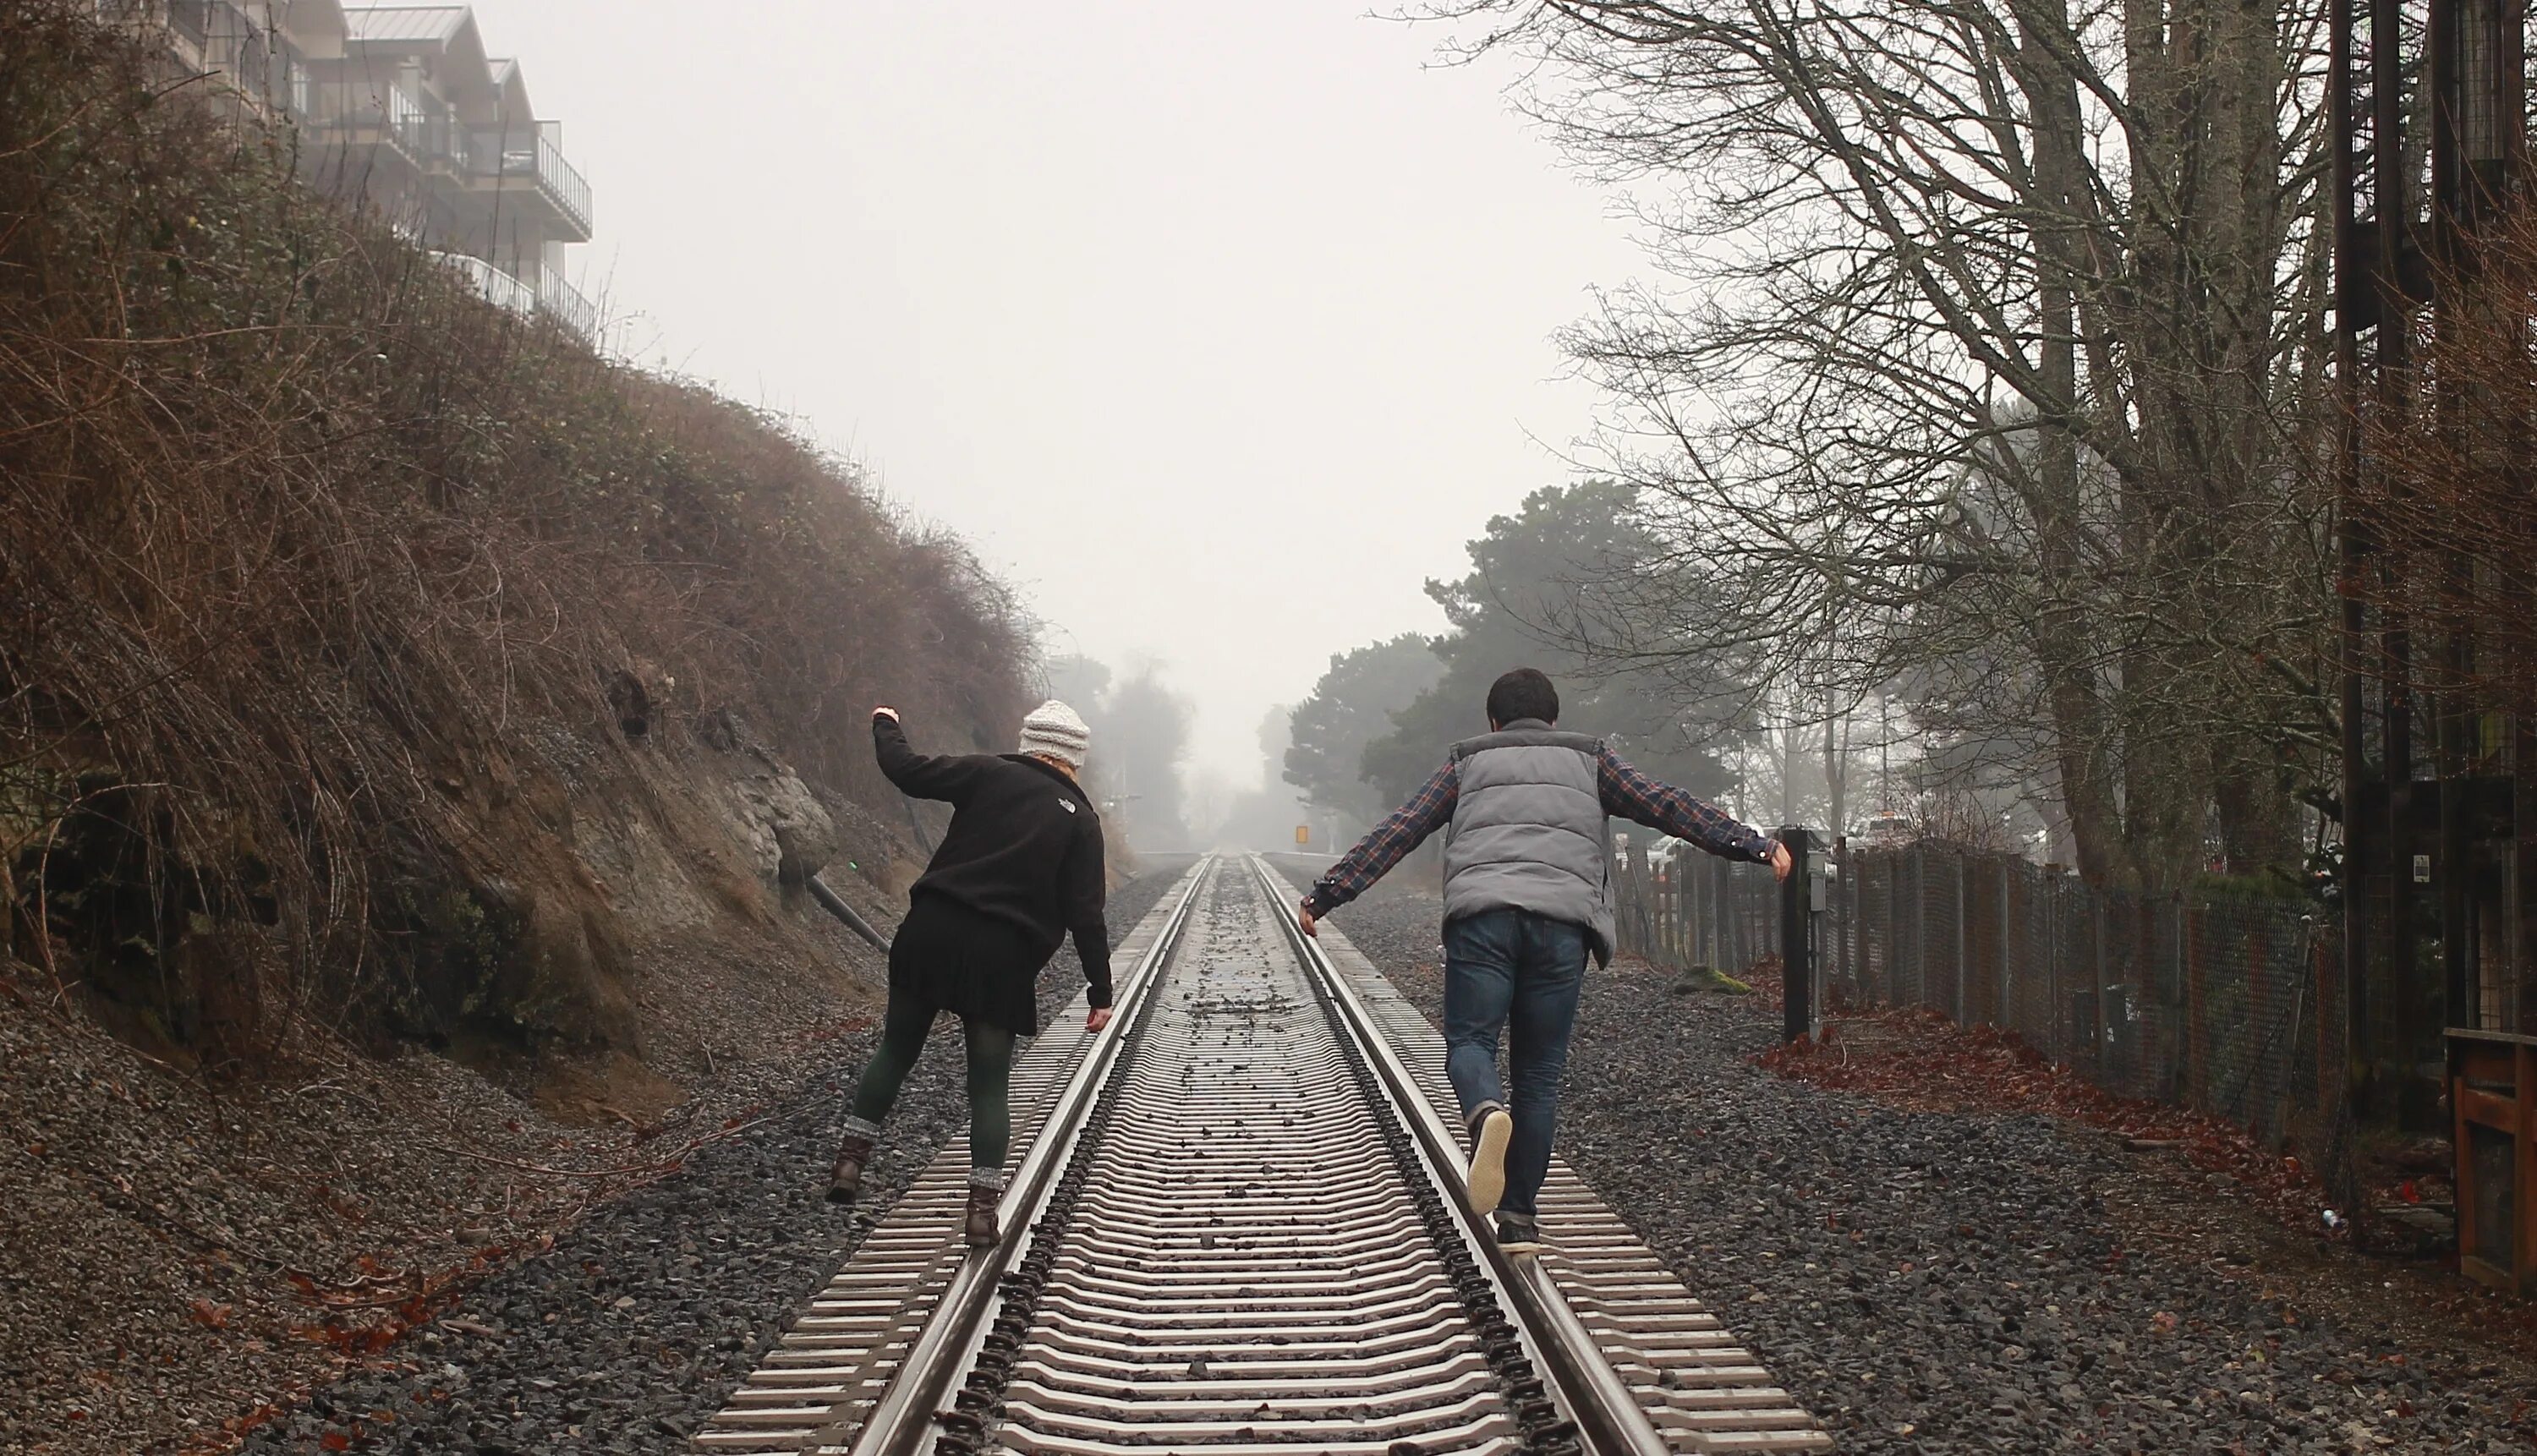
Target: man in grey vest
point(1527, 897)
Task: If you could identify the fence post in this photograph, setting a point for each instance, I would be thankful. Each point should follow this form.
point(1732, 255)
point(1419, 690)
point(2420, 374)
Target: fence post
point(1894, 930)
point(1920, 926)
point(2049, 886)
point(1660, 944)
point(1845, 963)
point(2179, 1057)
point(1960, 937)
point(2197, 1042)
point(1797, 963)
point(2007, 1007)
point(1674, 922)
point(1704, 940)
point(2097, 992)
point(1769, 916)
point(1711, 947)
point(1713, 917)
point(1732, 913)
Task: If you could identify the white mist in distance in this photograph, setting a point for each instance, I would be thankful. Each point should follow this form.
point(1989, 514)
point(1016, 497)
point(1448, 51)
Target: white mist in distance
point(1217, 328)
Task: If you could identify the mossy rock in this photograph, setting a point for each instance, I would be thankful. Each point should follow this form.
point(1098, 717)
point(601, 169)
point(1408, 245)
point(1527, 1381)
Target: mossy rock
point(1700, 979)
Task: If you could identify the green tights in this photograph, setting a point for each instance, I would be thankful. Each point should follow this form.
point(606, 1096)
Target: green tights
point(903, 1030)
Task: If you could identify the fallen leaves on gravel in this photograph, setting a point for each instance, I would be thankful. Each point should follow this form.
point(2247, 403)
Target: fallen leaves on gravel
point(1919, 1060)
point(211, 1315)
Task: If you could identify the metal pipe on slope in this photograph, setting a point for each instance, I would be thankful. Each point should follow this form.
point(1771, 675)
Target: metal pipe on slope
point(835, 905)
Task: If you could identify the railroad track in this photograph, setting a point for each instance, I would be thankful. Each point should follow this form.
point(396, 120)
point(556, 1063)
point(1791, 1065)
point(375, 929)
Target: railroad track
point(1241, 1232)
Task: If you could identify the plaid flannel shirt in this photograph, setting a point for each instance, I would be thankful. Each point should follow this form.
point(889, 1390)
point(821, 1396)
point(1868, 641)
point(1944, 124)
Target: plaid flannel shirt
point(1626, 793)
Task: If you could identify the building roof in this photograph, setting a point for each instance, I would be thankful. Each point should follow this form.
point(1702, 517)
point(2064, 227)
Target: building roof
point(398, 23)
point(316, 27)
point(465, 77)
point(513, 89)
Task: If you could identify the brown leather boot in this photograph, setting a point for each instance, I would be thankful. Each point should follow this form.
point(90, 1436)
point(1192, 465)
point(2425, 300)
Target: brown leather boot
point(846, 1174)
point(982, 1232)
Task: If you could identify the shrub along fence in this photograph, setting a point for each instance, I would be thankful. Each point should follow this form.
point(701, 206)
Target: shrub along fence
point(2229, 1005)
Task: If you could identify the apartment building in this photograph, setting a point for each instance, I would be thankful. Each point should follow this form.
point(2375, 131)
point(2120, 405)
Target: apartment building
point(398, 107)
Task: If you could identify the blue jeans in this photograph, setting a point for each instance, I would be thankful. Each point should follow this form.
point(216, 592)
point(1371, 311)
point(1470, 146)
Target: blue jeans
point(1517, 970)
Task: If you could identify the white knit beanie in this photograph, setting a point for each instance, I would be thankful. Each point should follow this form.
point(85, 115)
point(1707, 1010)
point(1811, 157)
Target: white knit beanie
point(1055, 731)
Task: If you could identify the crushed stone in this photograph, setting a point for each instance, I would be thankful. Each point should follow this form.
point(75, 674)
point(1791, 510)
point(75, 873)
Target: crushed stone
point(1966, 1282)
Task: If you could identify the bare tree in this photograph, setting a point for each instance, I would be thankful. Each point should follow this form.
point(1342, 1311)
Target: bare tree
point(1991, 332)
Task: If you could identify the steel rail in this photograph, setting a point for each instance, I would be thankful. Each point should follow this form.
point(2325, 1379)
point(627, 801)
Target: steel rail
point(906, 1410)
point(1589, 1392)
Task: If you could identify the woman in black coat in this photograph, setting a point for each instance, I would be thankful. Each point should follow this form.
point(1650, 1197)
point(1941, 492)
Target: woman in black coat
point(1019, 870)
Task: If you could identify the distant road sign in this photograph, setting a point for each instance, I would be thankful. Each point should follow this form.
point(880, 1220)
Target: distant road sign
point(1303, 834)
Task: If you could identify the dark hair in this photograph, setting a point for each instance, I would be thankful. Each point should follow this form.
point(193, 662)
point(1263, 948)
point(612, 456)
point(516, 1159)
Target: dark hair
point(1522, 693)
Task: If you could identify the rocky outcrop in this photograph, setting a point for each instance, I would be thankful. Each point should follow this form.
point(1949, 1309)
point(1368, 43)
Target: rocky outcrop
point(790, 835)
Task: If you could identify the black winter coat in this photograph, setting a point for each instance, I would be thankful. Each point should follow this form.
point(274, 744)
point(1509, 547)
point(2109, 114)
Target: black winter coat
point(1024, 848)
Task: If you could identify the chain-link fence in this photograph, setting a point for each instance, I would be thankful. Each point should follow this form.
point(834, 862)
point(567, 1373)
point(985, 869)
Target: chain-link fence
point(1694, 910)
point(2230, 1005)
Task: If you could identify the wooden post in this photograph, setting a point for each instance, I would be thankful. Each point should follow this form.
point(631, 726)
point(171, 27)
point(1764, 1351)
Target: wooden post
point(2480, 1064)
point(2007, 984)
point(1796, 961)
point(2105, 1028)
point(1959, 937)
point(1920, 928)
point(2197, 1039)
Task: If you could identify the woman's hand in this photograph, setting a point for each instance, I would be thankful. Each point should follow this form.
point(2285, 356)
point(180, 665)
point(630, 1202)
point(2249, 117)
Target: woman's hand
point(1097, 1018)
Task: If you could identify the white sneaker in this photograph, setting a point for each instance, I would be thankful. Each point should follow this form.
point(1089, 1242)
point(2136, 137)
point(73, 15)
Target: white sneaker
point(1487, 1179)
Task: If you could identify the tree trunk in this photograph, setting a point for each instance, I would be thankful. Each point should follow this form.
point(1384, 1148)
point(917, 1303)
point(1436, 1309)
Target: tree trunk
point(2063, 647)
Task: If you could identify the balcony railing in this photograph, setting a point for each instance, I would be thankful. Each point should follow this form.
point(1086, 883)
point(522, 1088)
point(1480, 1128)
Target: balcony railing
point(431, 135)
point(564, 182)
point(535, 160)
point(498, 287)
point(549, 294)
point(397, 113)
point(421, 129)
point(562, 302)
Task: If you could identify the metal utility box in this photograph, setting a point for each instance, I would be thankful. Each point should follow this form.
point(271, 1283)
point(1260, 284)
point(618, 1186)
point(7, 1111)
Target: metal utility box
point(2492, 1098)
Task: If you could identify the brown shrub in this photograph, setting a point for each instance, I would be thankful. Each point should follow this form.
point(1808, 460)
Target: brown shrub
point(325, 582)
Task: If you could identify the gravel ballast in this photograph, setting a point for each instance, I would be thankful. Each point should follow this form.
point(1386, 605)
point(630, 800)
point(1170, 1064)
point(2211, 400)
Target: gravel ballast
point(639, 1322)
point(1943, 1281)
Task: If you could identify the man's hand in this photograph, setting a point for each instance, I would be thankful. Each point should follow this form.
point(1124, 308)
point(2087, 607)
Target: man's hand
point(1781, 863)
point(1097, 1018)
point(1304, 913)
point(886, 711)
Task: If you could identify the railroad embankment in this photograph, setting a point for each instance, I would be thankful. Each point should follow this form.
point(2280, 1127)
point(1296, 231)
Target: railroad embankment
point(416, 730)
point(1930, 1266)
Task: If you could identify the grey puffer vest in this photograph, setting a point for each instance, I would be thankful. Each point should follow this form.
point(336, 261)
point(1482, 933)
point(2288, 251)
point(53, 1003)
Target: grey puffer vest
point(1529, 829)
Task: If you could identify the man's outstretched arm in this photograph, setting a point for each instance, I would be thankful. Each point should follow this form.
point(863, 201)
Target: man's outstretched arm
point(1661, 806)
point(1405, 829)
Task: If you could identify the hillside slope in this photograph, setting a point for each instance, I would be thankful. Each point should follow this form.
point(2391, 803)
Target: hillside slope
point(415, 733)
point(382, 662)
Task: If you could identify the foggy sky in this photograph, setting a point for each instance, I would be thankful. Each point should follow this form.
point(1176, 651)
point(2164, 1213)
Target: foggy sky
point(1217, 327)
